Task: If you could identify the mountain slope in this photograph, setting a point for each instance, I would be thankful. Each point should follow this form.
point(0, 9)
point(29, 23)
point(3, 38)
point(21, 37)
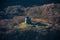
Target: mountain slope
point(16, 14)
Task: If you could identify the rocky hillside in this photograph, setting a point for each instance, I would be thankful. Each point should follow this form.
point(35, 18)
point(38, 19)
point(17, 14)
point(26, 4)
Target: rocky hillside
point(47, 11)
point(16, 14)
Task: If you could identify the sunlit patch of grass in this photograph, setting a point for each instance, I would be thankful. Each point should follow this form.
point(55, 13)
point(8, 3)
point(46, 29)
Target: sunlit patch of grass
point(22, 25)
point(40, 20)
point(34, 27)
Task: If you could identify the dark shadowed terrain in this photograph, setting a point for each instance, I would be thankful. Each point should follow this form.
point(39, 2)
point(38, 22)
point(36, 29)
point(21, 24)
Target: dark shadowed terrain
point(14, 15)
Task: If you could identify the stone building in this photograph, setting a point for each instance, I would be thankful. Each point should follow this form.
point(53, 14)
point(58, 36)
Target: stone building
point(28, 20)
